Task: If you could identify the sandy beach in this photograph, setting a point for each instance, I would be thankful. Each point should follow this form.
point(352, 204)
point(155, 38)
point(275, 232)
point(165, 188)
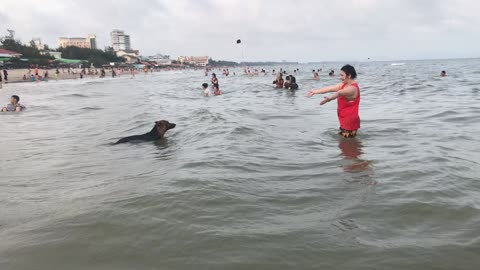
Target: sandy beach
point(16, 75)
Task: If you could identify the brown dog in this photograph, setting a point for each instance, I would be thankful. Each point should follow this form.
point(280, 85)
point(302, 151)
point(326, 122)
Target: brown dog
point(155, 134)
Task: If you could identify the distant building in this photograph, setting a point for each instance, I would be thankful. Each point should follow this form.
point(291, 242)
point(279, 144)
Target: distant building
point(9, 54)
point(120, 41)
point(38, 44)
point(161, 60)
point(89, 42)
point(130, 55)
point(93, 41)
point(194, 60)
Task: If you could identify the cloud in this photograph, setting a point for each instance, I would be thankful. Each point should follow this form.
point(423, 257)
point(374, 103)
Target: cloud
point(306, 30)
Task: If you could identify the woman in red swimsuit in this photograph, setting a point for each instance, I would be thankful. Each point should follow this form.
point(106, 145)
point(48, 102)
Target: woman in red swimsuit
point(347, 95)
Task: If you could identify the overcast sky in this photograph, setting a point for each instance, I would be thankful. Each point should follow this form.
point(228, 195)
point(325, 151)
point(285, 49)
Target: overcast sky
point(297, 30)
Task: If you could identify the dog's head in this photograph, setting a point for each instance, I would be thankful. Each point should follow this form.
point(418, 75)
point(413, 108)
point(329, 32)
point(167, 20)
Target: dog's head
point(162, 126)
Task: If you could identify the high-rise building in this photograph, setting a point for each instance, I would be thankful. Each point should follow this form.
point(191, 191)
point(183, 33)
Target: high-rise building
point(93, 41)
point(89, 42)
point(120, 41)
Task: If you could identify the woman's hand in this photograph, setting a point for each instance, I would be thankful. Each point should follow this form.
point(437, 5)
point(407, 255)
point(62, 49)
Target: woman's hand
point(311, 93)
point(325, 100)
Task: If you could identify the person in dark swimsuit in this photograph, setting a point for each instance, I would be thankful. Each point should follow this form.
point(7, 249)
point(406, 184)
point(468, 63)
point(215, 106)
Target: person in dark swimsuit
point(293, 83)
point(216, 86)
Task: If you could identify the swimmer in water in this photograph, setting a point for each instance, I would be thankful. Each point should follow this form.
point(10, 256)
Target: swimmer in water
point(206, 91)
point(443, 73)
point(217, 92)
point(315, 76)
point(13, 106)
point(286, 84)
point(293, 83)
point(331, 73)
point(278, 81)
point(290, 83)
point(347, 94)
point(215, 84)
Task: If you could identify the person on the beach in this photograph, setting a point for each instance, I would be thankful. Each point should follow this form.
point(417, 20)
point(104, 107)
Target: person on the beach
point(216, 86)
point(45, 75)
point(57, 73)
point(35, 71)
point(205, 89)
point(5, 75)
point(278, 81)
point(24, 77)
point(1, 81)
point(113, 73)
point(32, 78)
point(13, 106)
point(443, 73)
point(347, 94)
point(102, 73)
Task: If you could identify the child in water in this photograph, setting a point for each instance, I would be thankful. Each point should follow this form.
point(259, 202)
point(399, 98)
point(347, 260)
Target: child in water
point(217, 92)
point(206, 91)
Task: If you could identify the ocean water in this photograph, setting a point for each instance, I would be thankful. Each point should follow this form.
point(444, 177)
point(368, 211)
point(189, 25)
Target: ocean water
point(254, 179)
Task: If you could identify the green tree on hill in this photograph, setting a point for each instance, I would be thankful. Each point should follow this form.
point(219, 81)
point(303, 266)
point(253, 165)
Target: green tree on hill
point(30, 52)
point(97, 57)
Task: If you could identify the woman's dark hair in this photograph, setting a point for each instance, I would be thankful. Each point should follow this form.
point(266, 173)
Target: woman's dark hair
point(214, 75)
point(349, 70)
point(205, 85)
point(16, 98)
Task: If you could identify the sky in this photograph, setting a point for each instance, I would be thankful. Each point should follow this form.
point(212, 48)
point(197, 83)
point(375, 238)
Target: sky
point(291, 30)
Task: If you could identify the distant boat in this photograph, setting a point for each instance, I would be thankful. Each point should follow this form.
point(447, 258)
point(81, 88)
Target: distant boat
point(398, 64)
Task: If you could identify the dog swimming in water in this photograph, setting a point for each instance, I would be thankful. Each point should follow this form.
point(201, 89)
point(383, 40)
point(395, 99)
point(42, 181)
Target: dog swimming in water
point(157, 133)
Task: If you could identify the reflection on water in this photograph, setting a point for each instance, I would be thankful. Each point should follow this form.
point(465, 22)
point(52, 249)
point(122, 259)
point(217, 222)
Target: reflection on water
point(352, 151)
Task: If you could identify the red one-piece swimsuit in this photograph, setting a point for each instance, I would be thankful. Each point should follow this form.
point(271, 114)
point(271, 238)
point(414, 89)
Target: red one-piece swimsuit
point(348, 112)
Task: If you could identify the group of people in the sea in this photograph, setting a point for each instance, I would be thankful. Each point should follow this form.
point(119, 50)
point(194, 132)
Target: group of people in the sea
point(347, 93)
point(290, 82)
point(215, 85)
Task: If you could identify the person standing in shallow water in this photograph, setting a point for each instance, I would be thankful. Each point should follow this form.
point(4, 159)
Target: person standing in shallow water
point(216, 86)
point(347, 95)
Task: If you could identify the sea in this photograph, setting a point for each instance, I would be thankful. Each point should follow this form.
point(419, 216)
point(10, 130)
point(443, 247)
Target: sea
point(256, 178)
